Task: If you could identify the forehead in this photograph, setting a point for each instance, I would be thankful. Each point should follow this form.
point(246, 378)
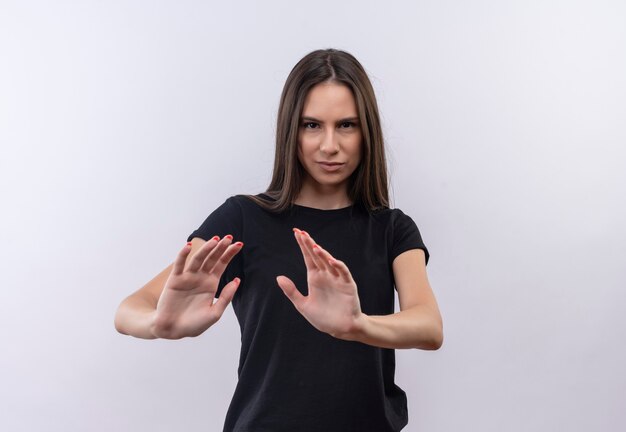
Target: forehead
point(329, 100)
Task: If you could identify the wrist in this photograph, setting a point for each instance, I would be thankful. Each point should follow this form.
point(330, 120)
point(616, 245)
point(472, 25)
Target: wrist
point(156, 325)
point(357, 329)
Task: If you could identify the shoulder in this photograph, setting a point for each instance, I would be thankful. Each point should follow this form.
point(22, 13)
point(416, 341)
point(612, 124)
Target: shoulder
point(390, 217)
point(403, 233)
point(255, 206)
point(231, 206)
point(400, 222)
point(249, 202)
point(398, 217)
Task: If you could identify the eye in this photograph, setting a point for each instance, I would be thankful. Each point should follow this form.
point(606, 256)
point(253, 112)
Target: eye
point(351, 124)
point(305, 125)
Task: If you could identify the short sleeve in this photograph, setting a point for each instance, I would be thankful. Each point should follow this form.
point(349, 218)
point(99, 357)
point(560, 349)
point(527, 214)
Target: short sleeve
point(406, 236)
point(226, 219)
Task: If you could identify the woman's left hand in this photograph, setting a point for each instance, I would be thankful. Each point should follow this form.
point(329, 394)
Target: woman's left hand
point(332, 305)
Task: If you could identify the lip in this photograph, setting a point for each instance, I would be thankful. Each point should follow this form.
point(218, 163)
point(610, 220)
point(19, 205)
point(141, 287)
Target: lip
point(331, 166)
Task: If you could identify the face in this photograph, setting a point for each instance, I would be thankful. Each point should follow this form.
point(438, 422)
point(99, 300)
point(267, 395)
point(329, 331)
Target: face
point(329, 137)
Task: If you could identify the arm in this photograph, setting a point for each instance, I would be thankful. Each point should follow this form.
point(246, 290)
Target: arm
point(135, 314)
point(178, 302)
point(418, 324)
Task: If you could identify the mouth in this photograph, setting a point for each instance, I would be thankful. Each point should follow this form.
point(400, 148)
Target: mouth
point(331, 166)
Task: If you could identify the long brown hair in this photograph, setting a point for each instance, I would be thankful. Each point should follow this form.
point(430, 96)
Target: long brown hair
point(368, 186)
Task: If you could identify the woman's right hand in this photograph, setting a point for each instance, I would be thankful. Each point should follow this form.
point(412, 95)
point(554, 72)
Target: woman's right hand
point(185, 307)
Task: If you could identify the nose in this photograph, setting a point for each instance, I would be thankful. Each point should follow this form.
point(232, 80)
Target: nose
point(330, 143)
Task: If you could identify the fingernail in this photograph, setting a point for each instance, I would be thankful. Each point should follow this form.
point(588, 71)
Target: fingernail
point(314, 246)
point(215, 238)
point(239, 244)
point(188, 243)
point(306, 233)
point(296, 230)
point(229, 236)
point(237, 280)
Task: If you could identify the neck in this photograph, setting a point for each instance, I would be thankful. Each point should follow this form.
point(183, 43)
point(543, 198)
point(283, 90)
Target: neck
point(324, 200)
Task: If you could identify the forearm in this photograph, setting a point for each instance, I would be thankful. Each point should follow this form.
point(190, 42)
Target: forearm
point(417, 327)
point(135, 317)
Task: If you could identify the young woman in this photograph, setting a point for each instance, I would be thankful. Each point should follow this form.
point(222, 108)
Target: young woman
point(310, 266)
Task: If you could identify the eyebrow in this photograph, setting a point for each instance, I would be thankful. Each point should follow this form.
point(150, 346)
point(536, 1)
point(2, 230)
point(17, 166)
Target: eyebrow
point(353, 119)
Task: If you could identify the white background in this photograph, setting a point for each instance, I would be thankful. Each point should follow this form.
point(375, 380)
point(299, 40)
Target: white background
point(123, 124)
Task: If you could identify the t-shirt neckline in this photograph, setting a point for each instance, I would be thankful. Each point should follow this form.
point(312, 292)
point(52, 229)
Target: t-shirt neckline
point(314, 210)
point(318, 211)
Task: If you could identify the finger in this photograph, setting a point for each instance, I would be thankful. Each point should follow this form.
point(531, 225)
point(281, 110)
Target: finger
point(215, 253)
point(312, 247)
point(325, 257)
point(306, 253)
point(181, 258)
point(200, 255)
point(343, 270)
point(228, 292)
point(218, 265)
point(290, 290)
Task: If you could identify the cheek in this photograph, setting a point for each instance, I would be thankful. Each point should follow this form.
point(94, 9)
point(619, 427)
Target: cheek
point(306, 146)
point(357, 147)
point(301, 153)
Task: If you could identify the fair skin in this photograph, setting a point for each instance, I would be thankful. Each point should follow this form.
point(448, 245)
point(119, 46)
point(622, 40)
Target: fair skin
point(179, 301)
point(329, 132)
point(332, 305)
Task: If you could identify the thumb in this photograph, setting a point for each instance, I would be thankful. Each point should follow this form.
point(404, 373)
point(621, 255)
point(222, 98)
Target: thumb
point(228, 292)
point(290, 290)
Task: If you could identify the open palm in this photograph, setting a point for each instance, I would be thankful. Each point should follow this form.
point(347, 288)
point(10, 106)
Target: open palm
point(332, 305)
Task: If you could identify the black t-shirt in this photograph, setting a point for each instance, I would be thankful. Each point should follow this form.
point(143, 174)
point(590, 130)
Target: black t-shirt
point(293, 377)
